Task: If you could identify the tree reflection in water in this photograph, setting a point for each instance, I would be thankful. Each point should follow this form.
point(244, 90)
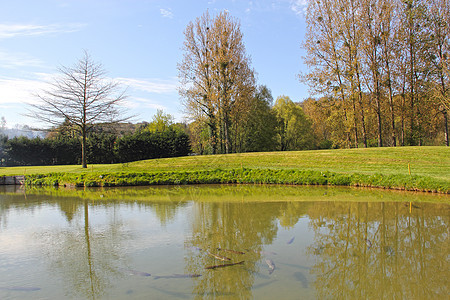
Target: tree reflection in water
point(85, 256)
point(91, 257)
point(241, 227)
point(216, 225)
point(379, 250)
point(360, 249)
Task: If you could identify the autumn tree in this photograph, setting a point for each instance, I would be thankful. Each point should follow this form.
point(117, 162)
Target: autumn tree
point(195, 73)
point(199, 136)
point(439, 56)
point(81, 96)
point(216, 79)
point(382, 65)
point(350, 33)
point(318, 112)
point(332, 57)
point(412, 34)
point(372, 11)
point(389, 24)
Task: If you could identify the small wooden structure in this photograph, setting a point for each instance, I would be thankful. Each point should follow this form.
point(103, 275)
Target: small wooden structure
point(12, 180)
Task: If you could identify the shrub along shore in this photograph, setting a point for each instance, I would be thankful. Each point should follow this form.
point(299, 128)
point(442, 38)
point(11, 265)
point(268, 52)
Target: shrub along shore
point(404, 168)
point(242, 176)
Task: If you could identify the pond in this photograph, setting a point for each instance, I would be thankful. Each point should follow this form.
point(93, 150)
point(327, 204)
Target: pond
point(223, 242)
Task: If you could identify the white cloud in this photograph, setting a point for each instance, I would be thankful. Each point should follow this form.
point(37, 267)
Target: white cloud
point(18, 90)
point(16, 30)
point(299, 6)
point(8, 60)
point(166, 13)
point(14, 244)
point(157, 86)
point(145, 102)
point(22, 90)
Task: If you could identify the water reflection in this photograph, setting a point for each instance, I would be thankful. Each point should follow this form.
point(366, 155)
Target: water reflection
point(84, 255)
point(314, 242)
point(231, 226)
point(379, 250)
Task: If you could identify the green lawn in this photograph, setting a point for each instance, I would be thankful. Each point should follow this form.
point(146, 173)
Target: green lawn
point(374, 167)
point(424, 161)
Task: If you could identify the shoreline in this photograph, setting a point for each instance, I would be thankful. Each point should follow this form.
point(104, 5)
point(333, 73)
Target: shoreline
point(240, 176)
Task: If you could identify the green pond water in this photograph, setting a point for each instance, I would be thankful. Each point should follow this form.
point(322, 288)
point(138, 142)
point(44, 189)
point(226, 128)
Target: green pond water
point(223, 242)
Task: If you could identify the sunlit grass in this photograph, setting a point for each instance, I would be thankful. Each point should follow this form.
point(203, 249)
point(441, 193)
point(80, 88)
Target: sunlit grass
point(423, 161)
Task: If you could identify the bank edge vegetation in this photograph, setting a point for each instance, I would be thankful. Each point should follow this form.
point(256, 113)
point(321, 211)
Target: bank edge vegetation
point(407, 168)
point(241, 176)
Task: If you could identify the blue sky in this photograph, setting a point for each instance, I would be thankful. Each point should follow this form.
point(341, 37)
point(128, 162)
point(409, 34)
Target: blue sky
point(139, 43)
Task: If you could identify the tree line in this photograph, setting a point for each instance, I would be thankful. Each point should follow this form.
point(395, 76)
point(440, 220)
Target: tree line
point(228, 111)
point(267, 126)
point(104, 144)
point(381, 70)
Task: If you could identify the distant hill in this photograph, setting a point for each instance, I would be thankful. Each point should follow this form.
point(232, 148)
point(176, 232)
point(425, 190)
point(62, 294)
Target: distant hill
point(116, 128)
point(23, 131)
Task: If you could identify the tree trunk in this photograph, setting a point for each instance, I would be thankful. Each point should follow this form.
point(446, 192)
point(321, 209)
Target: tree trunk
point(83, 149)
point(446, 127)
point(391, 105)
point(212, 133)
point(355, 124)
point(403, 134)
point(361, 107)
point(379, 125)
point(411, 85)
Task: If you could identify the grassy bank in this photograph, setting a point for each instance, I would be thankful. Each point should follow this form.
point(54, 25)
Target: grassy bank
point(409, 168)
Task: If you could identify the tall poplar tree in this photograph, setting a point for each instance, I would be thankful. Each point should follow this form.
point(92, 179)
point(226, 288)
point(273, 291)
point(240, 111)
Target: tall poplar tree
point(217, 81)
point(327, 69)
point(439, 55)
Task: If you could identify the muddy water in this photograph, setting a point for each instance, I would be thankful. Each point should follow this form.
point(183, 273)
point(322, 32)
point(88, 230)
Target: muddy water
point(223, 242)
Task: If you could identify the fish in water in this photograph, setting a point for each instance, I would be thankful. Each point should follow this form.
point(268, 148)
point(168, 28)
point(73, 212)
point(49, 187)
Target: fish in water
point(302, 278)
point(389, 251)
point(224, 265)
point(267, 253)
point(291, 240)
point(271, 265)
point(219, 257)
point(369, 243)
point(177, 276)
point(263, 284)
point(231, 251)
point(136, 273)
point(20, 288)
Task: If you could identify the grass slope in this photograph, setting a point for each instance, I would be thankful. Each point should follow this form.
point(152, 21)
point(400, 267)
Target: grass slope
point(382, 167)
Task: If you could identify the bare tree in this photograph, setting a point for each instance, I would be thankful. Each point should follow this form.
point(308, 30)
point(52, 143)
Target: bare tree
point(82, 96)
